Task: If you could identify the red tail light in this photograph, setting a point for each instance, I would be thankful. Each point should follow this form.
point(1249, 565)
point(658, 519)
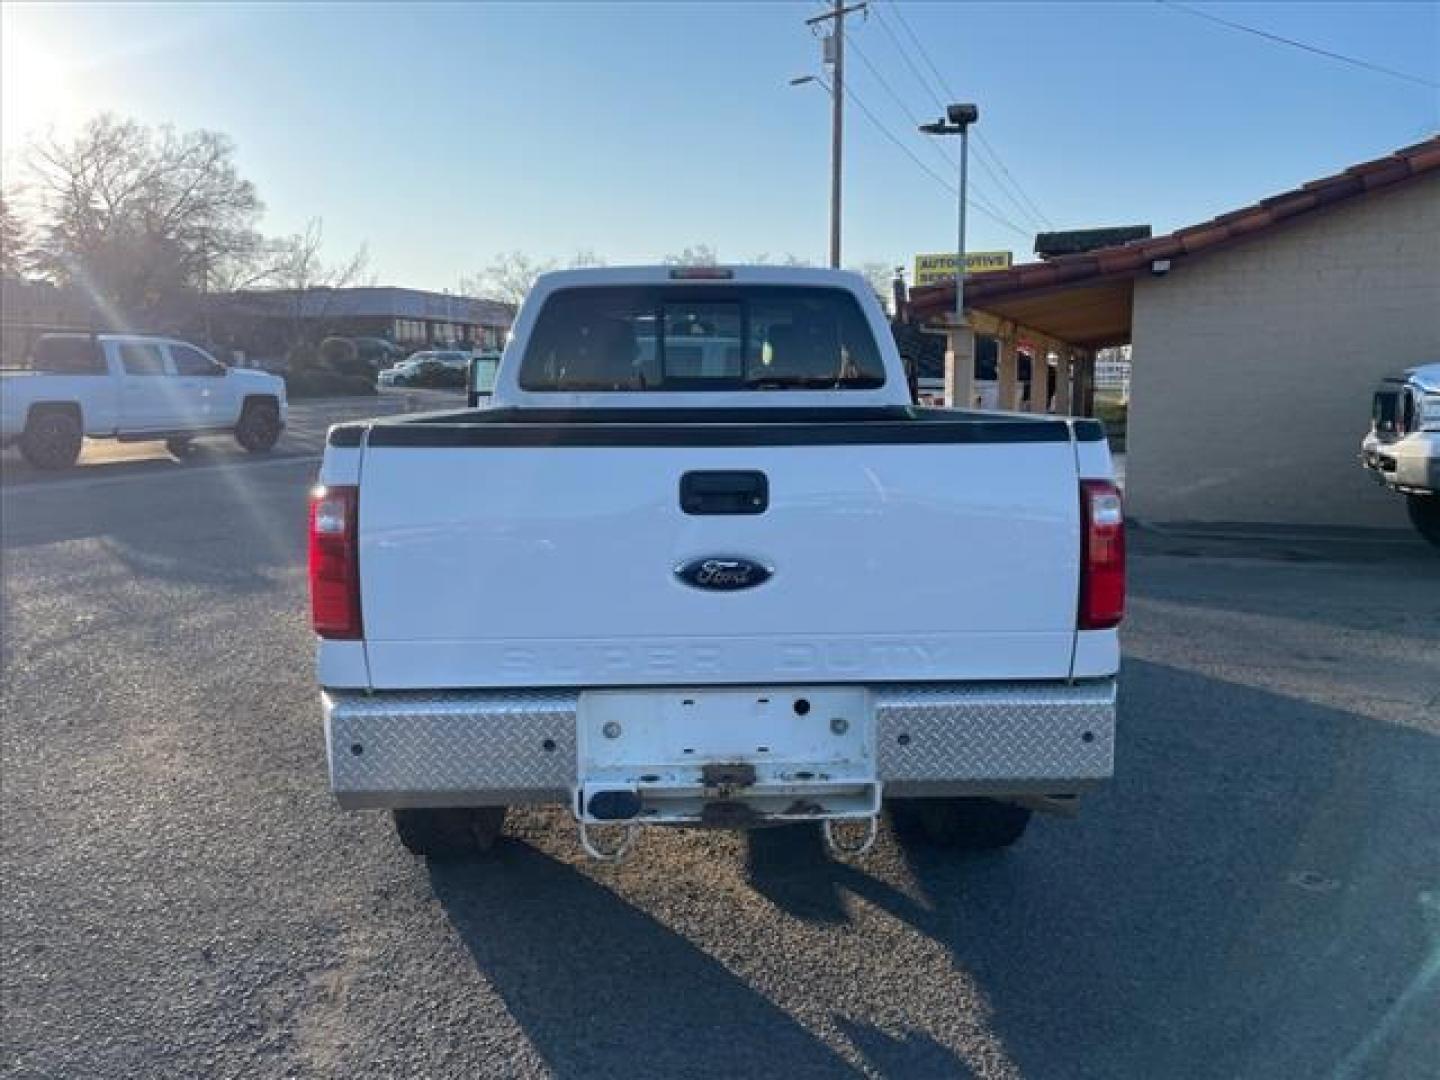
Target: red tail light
point(335, 562)
point(1102, 555)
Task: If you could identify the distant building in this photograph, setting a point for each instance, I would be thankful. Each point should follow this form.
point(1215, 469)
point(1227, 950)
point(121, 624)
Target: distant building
point(266, 322)
point(1112, 371)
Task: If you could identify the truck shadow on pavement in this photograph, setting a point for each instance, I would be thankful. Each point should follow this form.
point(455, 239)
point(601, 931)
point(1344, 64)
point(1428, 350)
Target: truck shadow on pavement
point(603, 989)
point(1255, 895)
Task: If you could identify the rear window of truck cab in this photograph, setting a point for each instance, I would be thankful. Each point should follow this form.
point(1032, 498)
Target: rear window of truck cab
point(686, 338)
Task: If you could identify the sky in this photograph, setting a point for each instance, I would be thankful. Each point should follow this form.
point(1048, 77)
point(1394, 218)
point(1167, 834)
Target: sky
point(442, 135)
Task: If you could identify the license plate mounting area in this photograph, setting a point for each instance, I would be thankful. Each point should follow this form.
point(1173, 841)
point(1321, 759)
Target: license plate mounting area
point(725, 757)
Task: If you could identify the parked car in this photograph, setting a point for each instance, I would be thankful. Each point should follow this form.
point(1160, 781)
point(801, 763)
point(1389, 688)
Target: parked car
point(133, 388)
point(378, 352)
point(681, 593)
point(426, 371)
point(396, 375)
point(1402, 449)
point(456, 358)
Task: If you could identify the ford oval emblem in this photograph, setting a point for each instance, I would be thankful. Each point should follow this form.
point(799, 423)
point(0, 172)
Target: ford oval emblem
point(723, 573)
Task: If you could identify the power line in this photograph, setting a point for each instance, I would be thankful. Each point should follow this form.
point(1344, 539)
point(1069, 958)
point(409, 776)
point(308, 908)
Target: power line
point(905, 55)
point(1034, 210)
point(935, 143)
point(884, 85)
point(984, 208)
point(1029, 205)
point(1279, 40)
point(920, 48)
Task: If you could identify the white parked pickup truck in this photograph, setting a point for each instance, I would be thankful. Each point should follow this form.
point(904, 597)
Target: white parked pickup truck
point(133, 388)
point(1402, 448)
point(702, 563)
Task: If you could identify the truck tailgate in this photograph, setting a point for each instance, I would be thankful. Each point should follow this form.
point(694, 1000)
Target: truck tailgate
point(555, 565)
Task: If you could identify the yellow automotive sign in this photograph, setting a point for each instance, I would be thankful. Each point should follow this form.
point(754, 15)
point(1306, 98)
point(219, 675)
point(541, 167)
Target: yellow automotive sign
point(933, 269)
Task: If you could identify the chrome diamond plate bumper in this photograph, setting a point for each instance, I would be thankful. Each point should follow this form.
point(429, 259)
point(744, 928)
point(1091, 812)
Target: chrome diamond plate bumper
point(488, 747)
point(995, 738)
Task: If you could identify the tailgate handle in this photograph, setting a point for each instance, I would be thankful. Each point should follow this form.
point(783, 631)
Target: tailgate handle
point(738, 491)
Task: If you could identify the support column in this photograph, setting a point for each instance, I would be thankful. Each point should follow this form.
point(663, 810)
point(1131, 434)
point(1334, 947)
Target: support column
point(959, 367)
point(1085, 385)
point(1039, 381)
point(1063, 382)
point(1007, 396)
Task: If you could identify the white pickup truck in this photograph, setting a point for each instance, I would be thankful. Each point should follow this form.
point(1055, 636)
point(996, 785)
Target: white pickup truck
point(1402, 448)
point(703, 563)
point(133, 388)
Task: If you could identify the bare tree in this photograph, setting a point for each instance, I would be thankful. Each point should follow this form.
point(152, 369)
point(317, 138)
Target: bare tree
point(508, 278)
point(879, 275)
point(142, 217)
point(295, 265)
point(698, 255)
point(586, 257)
point(788, 259)
point(14, 240)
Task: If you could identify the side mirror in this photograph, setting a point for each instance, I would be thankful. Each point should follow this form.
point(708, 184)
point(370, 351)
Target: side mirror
point(480, 379)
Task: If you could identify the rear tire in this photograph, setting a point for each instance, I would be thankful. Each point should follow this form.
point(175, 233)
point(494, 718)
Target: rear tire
point(52, 439)
point(258, 428)
point(1425, 515)
point(966, 824)
point(450, 832)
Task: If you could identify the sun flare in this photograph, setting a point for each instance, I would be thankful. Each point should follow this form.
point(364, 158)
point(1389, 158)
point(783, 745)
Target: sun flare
point(33, 91)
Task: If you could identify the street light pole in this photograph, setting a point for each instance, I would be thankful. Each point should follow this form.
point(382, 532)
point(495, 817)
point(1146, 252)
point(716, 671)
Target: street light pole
point(960, 246)
point(960, 354)
point(837, 131)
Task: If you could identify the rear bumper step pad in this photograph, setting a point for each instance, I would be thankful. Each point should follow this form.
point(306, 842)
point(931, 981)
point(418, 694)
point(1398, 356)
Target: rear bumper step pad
point(460, 748)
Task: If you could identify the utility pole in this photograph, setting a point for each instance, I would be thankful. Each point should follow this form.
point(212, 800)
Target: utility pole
point(837, 14)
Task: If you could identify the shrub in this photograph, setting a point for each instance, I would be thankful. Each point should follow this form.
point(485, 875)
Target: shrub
point(302, 358)
point(1114, 414)
point(317, 382)
point(336, 352)
point(341, 355)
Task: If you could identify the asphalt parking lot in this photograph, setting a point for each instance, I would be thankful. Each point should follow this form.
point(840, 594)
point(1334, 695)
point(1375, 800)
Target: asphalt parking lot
point(1256, 895)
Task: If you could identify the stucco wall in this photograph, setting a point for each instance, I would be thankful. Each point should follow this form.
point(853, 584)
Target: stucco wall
point(1253, 366)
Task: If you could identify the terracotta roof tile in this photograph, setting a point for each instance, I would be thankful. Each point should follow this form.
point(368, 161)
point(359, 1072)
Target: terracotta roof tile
point(1424, 157)
point(1358, 180)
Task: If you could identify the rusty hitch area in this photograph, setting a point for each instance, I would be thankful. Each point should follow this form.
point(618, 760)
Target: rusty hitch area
point(726, 776)
point(721, 811)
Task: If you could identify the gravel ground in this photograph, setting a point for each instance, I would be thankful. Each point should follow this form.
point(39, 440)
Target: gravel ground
point(1257, 894)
